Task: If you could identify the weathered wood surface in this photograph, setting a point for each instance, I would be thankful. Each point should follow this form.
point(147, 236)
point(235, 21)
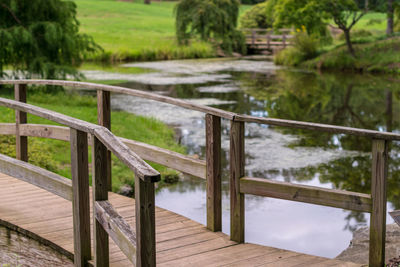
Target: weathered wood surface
point(21, 142)
point(171, 159)
point(127, 91)
point(308, 194)
point(396, 216)
point(319, 127)
point(104, 119)
point(142, 170)
point(237, 163)
point(100, 186)
point(145, 223)
point(180, 241)
point(42, 178)
point(378, 191)
point(205, 109)
point(117, 228)
point(80, 198)
point(213, 158)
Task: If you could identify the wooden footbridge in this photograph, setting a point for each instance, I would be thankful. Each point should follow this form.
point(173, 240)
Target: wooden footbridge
point(266, 40)
point(96, 227)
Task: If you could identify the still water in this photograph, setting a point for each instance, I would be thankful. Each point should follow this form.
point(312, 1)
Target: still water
point(260, 88)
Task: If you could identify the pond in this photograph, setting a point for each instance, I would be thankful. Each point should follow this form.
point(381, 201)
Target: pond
point(260, 88)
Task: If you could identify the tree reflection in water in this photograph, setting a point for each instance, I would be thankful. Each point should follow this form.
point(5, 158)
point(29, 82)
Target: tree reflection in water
point(362, 101)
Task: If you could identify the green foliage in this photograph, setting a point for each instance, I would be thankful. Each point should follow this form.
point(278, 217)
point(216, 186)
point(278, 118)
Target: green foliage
point(304, 47)
point(211, 20)
point(36, 154)
point(259, 16)
point(301, 13)
point(356, 34)
point(41, 38)
point(379, 56)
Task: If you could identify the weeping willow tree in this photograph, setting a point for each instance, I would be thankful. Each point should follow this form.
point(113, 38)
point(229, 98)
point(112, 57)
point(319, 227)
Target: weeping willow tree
point(40, 38)
point(212, 21)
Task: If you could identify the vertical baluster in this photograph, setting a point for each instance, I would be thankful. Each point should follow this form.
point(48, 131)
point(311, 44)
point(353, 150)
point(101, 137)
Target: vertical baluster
point(378, 192)
point(100, 192)
point(80, 202)
point(20, 118)
point(213, 158)
point(145, 223)
point(237, 162)
point(104, 119)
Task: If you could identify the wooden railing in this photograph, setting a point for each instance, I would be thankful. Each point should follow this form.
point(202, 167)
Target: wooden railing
point(139, 247)
point(103, 140)
point(266, 39)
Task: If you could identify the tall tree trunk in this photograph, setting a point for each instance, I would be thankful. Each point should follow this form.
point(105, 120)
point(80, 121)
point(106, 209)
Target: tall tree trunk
point(147, 2)
point(389, 27)
point(348, 41)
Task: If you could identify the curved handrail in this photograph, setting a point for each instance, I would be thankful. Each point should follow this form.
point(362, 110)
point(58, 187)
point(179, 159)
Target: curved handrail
point(217, 112)
point(143, 170)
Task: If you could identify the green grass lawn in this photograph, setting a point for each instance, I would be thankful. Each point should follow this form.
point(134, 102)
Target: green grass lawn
point(135, 31)
point(54, 155)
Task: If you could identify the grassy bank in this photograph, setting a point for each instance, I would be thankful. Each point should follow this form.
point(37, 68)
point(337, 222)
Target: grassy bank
point(54, 155)
point(381, 56)
point(135, 31)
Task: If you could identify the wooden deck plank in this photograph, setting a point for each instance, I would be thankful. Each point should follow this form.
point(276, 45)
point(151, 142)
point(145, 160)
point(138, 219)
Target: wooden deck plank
point(180, 241)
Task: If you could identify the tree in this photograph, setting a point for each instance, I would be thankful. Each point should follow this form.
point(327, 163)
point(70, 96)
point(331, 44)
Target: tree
point(314, 14)
point(259, 16)
point(211, 20)
point(39, 38)
point(390, 16)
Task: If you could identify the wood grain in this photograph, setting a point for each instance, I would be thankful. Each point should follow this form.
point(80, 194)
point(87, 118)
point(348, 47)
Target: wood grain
point(145, 223)
point(42, 178)
point(237, 162)
point(213, 159)
point(378, 216)
point(308, 194)
point(117, 228)
point(104, 119)
point(80, 202)
point(142, 170)
point(48, 218)
point(100, 193)
point(21, 142)
point(128, 91)
point(171, 159)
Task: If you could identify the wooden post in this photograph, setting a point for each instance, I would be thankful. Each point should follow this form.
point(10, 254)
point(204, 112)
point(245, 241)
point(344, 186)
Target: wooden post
point(253, 37)
point(80, 201)
point(100, 192)
point(104, 119)
point(378, 191)
point(268, 41)
point(145, 223)
point(213, 158)
point(284, 40)
point(20, 118)
point(237, 162)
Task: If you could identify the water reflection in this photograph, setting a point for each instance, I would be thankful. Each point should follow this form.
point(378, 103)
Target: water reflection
point(306, 157)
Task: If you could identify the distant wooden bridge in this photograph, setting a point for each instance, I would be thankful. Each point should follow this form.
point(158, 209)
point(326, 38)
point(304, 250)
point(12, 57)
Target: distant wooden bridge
point(95, 229)
point(264, 40)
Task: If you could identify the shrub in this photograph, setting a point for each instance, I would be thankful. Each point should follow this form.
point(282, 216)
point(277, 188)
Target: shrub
point(257, 17)
point(304, 47)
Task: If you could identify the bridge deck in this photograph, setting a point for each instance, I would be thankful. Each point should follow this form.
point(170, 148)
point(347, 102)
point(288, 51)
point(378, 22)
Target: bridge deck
point(180, 241)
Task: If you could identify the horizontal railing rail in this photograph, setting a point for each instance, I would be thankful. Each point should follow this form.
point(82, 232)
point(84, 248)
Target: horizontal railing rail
point(171, 159)
point(214, 111)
